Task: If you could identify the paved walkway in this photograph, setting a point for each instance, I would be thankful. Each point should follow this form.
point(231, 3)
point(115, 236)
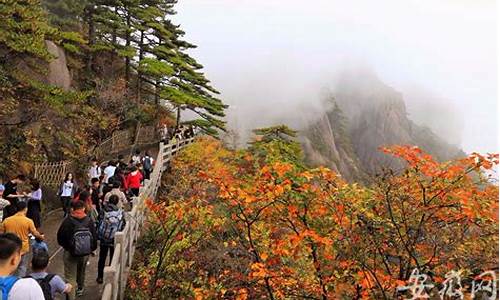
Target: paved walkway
point(49, 227)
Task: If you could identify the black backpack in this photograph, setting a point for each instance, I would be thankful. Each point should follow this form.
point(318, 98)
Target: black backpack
point(147, 163)
point(45, 285)
point(81, 241)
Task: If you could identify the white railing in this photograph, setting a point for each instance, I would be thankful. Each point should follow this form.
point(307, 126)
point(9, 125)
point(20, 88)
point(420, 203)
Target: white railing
point(115, 275)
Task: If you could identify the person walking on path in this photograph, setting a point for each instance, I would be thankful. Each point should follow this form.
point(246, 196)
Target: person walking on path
point(51, 284)
point(66, 192)
point(111, 220)
point(109, 171)
point(78, 237)
point(96, 194)
point(21, 226)
point(10, 194)
point(122, 199)
point(13, 287)
point(147, 165)
point(94, 170)
point(164, 133)
point(3, 202)
point(121, 164)
point(134, 179)
point(119, 176)
point(86, 198)
point(136, 158)
point(34, 204)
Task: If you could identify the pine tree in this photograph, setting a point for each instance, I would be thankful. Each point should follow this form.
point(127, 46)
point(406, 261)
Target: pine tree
point(106, 43)
point(26, 98)
point(339, 125)
point(277, 144)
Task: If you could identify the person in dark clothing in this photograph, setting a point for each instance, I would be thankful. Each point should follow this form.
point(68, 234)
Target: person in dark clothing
point(190, 131)
point(147, 165)
point(10, 193)
point(120, 177)
point(96, 193)
point(111, 220)
point(78, 237)
point(121, 162)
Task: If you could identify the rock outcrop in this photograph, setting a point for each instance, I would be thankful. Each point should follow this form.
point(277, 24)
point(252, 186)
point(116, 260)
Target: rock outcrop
point(58, 74)
point(367, 115)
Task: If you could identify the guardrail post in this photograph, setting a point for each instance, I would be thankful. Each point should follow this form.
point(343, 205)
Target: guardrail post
point(115, 276)
point(111, 275)
point(119, 243)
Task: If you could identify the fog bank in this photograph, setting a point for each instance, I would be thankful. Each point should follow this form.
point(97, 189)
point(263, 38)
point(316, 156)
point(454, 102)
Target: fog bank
point(273, 59)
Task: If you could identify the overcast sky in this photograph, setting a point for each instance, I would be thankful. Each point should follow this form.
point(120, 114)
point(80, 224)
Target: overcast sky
point(281, 53)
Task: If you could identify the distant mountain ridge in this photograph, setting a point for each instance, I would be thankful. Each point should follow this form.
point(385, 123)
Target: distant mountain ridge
point(362, 115)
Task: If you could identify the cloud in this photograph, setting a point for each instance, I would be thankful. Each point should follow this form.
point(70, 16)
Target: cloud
point(271, 58)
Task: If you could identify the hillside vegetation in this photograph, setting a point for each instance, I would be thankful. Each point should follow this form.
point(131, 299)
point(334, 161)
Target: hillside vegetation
point(257, 224)
point(74, 71)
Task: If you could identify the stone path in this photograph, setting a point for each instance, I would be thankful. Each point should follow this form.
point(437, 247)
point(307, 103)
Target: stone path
point(49, 228)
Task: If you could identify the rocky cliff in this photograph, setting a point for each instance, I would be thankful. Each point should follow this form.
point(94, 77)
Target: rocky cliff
point(363, 114)
point(58, 72)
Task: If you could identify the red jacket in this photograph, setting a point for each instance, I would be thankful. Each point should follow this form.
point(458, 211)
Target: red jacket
point(134, 180)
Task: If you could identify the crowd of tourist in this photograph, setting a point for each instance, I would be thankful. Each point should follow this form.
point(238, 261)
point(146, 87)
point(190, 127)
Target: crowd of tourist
point(173, 134)
point(94, 210)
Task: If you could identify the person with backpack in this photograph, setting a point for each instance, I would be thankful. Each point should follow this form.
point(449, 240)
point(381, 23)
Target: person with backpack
point(111, 220)
point(147, 165)
point(122, 198)
point(134, 179)
point(66, 192)
point(12, 287)
point(78, 237)
point(51, 284)
point(21, 226)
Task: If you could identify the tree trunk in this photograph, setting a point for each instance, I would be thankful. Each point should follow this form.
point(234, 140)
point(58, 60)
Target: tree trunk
point(113, 34)
point(127, 59)
point(157, 99)
point(91, 36)
point(178, 121)
point(139, 74)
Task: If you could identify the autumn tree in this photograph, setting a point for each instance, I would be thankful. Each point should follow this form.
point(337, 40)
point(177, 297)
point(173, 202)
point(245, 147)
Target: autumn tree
point(435, 217)
point(247, 226)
